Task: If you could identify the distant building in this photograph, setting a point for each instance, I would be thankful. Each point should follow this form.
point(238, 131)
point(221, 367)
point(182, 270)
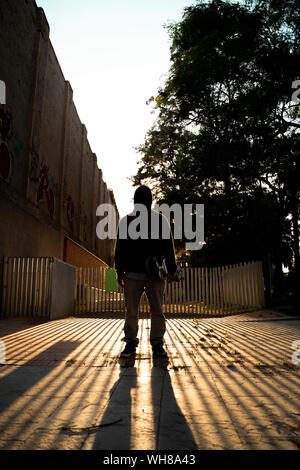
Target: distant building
point(50, 184)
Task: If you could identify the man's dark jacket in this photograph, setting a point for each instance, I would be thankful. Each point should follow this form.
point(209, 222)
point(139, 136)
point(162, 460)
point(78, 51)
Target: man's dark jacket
point(131, 255)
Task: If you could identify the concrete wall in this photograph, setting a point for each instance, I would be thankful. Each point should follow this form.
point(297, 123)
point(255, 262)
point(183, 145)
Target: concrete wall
point(50, 183)
point(62, 290)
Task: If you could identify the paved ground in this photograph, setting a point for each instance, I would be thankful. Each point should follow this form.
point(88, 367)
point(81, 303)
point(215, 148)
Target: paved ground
point(230, 384)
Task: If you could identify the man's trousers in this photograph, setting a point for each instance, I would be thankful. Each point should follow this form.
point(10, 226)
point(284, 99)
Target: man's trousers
point(133, 291)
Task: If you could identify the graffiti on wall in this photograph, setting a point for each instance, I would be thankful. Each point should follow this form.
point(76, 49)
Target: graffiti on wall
point(8, 140)
point(17, 145)
point(34, 167)
point(6, 157)
point(45, 191)
point(84, 229)
point(71, 213)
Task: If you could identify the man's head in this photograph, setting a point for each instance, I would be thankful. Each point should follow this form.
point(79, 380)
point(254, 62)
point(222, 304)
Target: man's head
point(143, 195)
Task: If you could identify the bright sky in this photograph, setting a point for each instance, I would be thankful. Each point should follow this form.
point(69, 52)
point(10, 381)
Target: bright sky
point(115, 54)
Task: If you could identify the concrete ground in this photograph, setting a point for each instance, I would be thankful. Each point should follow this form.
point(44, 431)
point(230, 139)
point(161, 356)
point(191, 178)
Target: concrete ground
point(230, 384)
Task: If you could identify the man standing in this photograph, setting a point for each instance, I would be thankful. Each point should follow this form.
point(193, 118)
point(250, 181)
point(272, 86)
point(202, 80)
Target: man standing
point(133, 259)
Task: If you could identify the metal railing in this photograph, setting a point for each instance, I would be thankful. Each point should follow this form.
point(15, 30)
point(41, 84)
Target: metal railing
point(25, 287)
point(203, 291)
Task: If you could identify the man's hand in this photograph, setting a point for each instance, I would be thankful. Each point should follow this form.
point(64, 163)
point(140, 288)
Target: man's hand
point(122, 280)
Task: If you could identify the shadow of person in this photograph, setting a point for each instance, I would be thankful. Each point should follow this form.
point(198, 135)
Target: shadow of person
point(114, 431)
point(172, 429)
point(125, 423)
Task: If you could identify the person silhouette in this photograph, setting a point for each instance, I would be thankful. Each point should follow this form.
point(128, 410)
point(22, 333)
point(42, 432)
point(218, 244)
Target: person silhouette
point(143, 260)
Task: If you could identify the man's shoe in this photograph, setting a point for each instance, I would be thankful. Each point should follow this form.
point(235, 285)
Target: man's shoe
point(129, 350)
point(159, 351)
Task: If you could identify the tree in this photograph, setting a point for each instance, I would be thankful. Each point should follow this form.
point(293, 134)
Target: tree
point(227, 132)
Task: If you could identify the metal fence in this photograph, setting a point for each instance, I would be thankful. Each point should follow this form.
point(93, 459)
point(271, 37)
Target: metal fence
point(203, 291)
point(26, 287)
point(26, 290)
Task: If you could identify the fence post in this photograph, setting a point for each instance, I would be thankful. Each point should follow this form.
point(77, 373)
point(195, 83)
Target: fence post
point(219, 291)
point(257, 285)
point(184, 290)
point(202, 299)
point(4, 286)
point(199, 289)
point(243, 286)
point(238, 286)
point(262, 292)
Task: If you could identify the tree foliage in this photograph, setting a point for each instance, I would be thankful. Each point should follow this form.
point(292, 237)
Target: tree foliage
point(227, 131)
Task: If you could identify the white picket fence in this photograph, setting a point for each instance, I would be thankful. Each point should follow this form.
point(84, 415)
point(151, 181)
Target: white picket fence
point(37, 287)
point(203, 291)
point(25, 287)
point(215, 291)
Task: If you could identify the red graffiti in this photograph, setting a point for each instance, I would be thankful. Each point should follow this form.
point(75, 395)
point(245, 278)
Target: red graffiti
point(6, 158)
point(44, 193)
point(70, 213)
